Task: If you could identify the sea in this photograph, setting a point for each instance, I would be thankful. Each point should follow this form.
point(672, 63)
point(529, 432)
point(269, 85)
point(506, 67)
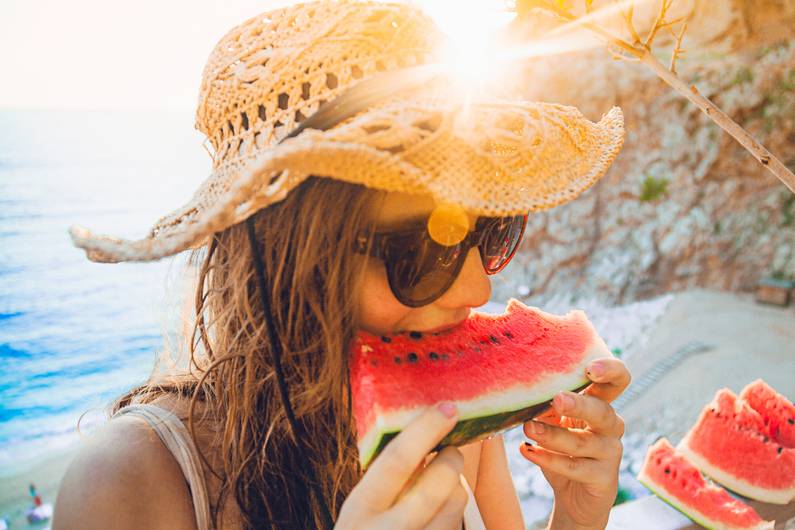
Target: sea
point(75, 334)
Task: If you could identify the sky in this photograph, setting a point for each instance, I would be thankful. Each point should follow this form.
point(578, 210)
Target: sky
point(106, 54)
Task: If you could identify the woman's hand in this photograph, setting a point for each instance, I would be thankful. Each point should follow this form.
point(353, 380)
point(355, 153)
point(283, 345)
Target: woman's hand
point(578, 447)
point(397, 492)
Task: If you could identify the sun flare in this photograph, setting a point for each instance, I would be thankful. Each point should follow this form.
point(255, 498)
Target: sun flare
point(473, 29)
point(470, 26)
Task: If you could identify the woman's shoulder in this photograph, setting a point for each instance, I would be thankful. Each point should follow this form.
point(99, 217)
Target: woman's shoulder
point(123, 476)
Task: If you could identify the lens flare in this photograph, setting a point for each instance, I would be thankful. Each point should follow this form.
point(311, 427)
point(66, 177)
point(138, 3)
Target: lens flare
point(448, 224)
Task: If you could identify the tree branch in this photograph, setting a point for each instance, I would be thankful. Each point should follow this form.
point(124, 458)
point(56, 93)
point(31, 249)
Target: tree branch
point(624, 50)
point(678, 51)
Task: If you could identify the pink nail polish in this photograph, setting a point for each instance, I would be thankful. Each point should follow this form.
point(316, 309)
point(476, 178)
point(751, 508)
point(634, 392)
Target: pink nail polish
point(597, 369)
point(564, 401)
point(448, 409)
point(536, 427)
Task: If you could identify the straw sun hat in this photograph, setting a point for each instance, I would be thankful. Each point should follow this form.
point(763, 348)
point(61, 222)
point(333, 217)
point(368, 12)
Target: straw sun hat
point(352, 91)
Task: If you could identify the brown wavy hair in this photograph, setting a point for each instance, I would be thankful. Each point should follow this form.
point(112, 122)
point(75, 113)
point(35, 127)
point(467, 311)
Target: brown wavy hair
point(313, 284)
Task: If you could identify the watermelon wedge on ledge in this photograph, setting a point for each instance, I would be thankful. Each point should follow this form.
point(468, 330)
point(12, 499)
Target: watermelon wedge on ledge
point(500, 370)
point(732, 443)
point(674, 479)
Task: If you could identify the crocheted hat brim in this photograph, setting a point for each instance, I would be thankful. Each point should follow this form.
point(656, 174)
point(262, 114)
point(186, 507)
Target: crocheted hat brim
point(493, 159)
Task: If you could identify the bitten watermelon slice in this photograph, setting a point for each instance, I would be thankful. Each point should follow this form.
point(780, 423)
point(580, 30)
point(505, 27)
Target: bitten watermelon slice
point(777, 411)
point(676, 481)
point(500, 370)
point(730, 442)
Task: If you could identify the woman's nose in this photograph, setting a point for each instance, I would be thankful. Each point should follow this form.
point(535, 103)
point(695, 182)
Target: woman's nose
point(472, 287)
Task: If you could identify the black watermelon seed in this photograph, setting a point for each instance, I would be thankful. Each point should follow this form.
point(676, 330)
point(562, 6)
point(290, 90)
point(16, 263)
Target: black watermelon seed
point(415, 335)
point(780, 449)
point(412, 357)
point(791, 421)
point(445, 356)
point(484, 342)
point(398, 360)
point(433, 355)
point(386, 339)
point(494, 339)
point(667, 470)
point(766, 439)
point(508, 334)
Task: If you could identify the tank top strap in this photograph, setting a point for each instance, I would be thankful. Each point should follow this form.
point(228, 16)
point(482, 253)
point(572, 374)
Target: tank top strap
point(472, 518)
point(177, 439)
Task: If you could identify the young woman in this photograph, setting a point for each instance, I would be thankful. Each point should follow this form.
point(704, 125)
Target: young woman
point(327, 131)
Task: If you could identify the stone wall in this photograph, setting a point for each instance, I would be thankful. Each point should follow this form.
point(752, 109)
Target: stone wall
point(684, 204)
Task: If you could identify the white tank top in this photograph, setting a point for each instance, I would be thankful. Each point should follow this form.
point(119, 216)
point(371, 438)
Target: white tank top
point(176, 438)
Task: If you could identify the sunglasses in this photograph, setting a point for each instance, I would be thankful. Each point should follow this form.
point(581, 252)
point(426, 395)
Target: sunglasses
point(420, 270)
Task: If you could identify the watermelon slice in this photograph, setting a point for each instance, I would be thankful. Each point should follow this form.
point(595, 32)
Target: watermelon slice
point(676, 481)
point(777, 412)
point(731, 443)
point(500, 370)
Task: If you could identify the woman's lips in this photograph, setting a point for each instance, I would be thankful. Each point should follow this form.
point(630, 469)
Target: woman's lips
point(440, 329)
point(444, 328)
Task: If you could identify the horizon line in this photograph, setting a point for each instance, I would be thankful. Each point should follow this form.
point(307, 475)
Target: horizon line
point(6, 108)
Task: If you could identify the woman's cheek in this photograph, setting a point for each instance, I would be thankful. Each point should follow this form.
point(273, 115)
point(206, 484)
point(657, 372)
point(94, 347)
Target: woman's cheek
point(380, 311)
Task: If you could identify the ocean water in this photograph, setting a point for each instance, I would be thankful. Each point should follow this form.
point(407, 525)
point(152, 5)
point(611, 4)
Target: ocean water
point(75, 334)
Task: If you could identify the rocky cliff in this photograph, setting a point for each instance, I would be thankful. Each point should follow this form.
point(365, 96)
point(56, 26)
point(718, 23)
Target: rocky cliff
point(684, 204)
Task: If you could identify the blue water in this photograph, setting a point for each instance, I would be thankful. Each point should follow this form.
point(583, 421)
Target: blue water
point(75, 334)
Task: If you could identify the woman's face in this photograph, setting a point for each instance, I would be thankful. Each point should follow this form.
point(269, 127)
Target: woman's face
point(381, 313)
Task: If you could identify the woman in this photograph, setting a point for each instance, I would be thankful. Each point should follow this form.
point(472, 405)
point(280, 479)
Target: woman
point(287, 275)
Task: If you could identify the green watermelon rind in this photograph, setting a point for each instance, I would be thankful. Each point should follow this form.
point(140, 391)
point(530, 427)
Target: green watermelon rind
point(706, 523)
point(661, 494)
point(473, 428)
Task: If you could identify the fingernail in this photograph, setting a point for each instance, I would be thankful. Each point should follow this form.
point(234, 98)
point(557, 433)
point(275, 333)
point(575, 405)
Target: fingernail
point(536, 428)
point(448, 409)
point(597, 369)
point(564, 401)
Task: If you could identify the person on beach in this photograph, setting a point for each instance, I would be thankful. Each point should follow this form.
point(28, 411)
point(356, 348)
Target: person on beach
point(333, 127)
point(34, 495)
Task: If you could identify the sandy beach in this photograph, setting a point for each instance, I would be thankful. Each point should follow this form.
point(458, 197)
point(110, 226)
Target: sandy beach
point(747, 341)
point(46, 474)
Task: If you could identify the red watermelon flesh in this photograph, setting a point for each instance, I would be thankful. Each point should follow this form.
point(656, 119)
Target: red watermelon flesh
point(730, 443)
point(500, 370)
point(777, 412)
point(674, 479)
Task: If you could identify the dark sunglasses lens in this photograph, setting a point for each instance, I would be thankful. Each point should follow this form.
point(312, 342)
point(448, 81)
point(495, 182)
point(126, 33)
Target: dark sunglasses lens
point(500, 239)
point(420, 270)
